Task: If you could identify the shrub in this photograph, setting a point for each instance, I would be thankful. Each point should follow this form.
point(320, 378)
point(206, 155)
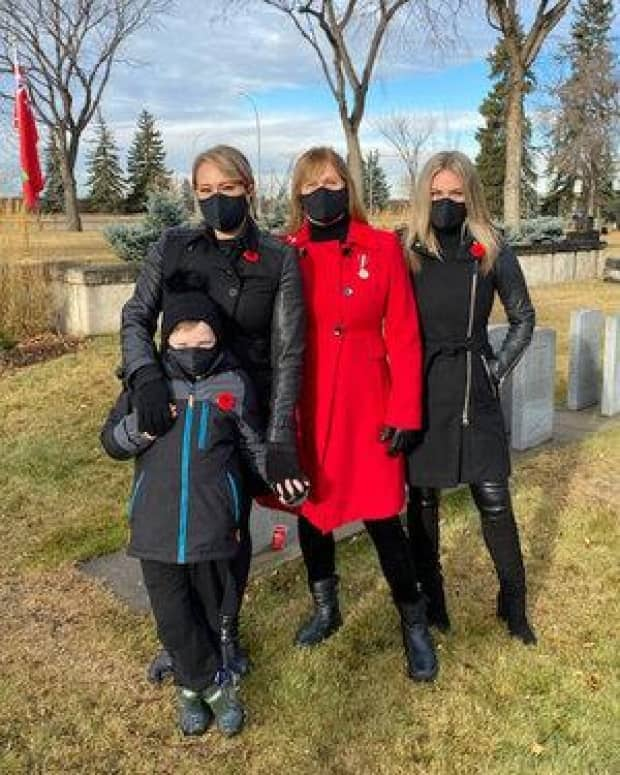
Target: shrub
point(25, 302)
point(131, 243)
point(535, 230)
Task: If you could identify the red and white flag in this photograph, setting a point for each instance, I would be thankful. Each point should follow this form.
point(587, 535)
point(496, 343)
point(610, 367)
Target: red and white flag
point(32, 179)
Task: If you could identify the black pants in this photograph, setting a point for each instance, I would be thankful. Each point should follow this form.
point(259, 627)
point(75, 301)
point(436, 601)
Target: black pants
point(319, 553)
point(499, 531)
point(187, 601)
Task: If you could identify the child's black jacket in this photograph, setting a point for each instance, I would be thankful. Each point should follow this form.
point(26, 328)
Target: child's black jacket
point(187, 494)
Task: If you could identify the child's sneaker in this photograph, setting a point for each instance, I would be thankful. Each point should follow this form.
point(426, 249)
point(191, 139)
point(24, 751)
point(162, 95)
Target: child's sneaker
point(194, 716)
point(221, 697)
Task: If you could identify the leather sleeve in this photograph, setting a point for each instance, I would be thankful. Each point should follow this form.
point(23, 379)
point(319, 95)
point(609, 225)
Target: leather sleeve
point(514, 295)
point(288, 332)
point(140, 314)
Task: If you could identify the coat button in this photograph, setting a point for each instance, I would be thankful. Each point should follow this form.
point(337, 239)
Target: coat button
point(338, 330)
point(233, 292)
point(348, 291)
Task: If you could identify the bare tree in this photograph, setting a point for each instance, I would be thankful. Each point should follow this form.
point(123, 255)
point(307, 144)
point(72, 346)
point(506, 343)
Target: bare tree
point(522, 48)
point(67, 48)
point(407, 135)
point(347, 38)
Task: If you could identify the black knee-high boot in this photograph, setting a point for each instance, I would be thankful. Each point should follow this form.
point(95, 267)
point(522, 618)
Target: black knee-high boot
point(423, 528)
point(501, 536)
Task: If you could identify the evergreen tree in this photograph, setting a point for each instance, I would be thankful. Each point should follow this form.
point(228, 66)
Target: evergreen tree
point(53, 198)
point(491, 159)
point(105, 176)
point(188, 197)
point(374, 181)
point(146, 163)
point(586, 120)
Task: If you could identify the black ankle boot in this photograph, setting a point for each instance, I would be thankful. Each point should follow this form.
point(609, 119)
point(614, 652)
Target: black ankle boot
point(511, 608)
point(417, 640)
point(235, 657)
point(160, 668)
point(326, 618)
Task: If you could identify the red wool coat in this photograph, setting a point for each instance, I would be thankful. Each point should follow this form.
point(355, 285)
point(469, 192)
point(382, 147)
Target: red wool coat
point(362, 370)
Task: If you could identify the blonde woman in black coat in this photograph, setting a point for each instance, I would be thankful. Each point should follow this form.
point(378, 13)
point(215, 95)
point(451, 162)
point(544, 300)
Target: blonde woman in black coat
point(459, 263)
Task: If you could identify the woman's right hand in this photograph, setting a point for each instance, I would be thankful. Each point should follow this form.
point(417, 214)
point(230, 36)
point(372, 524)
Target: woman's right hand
point(151, 398)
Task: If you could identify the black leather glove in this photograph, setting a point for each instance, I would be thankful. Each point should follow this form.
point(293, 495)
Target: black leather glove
point(401, 439)
point(282, 463)
point(151, 398)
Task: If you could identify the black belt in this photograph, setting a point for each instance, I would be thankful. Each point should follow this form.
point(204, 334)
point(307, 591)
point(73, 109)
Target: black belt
point(453, 347)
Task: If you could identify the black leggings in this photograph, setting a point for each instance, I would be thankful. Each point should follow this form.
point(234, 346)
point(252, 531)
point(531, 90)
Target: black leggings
point(319, 553)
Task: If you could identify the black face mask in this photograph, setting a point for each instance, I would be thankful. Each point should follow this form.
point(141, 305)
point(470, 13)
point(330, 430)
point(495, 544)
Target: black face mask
point(224, 213)
point(195, 362)
point(326, 205)
point(446, 214)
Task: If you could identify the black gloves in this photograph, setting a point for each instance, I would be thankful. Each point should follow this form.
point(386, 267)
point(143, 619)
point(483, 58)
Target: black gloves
point(151, 398)
point(401, 440)
point(281, 464)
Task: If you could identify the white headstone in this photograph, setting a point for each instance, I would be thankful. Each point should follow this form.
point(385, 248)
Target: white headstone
point(584, 364)
point(610, 394)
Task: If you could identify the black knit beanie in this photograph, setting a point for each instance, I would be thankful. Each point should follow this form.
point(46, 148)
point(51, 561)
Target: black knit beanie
point(185, 297)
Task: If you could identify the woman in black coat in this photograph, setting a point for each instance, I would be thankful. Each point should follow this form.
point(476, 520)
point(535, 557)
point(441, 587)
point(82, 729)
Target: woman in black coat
point(459, 263)
point(255, 280)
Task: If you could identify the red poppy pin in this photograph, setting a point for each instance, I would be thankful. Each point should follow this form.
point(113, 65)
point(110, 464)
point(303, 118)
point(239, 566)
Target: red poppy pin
point(477, 251)
point(226, 401)
point(251, 256)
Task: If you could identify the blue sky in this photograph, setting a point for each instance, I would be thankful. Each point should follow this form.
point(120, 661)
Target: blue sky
point(189, 71)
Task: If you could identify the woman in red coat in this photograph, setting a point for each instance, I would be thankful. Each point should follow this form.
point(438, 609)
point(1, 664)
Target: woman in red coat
point(360, 402)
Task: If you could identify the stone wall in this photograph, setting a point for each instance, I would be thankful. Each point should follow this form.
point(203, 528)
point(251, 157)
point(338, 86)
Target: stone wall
point(561, 263)
point(89, 298)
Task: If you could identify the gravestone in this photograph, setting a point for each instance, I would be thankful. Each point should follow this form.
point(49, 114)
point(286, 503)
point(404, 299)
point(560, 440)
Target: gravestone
point(610, 394)
point(527, 393)
point(584, 369)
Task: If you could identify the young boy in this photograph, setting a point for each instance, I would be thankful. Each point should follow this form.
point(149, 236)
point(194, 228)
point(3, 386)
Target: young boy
point(185, 505)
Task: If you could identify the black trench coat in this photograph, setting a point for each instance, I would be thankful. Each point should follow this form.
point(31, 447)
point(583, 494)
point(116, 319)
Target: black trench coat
point(464, 436)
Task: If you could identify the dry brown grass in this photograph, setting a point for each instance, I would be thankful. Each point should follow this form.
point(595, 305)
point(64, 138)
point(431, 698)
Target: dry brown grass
point(28, 240)
point(25, 301)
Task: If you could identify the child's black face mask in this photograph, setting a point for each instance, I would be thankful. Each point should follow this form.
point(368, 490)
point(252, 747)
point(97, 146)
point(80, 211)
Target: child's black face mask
point(195, 362)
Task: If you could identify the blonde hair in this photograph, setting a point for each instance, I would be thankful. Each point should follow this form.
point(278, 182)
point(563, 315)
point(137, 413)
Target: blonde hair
point(229, 161)
point(478, 220)
point(310, 164)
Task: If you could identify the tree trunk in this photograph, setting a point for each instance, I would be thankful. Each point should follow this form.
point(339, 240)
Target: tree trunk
point(514, 150)
point(354, 156)
point(72, 213)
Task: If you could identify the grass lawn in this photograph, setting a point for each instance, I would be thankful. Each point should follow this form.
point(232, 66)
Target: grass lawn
point(73, 697)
